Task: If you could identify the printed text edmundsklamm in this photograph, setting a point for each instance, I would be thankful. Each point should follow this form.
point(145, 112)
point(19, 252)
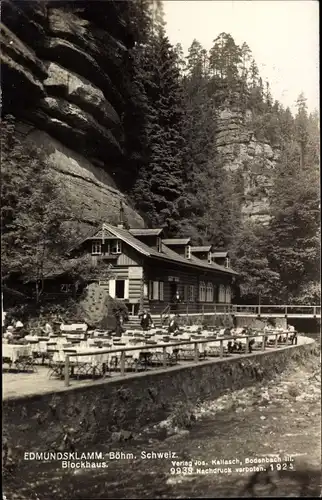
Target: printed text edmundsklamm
point(65, 455)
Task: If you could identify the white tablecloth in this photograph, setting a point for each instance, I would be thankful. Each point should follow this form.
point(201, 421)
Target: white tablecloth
point(14, 352)
point(93, 360)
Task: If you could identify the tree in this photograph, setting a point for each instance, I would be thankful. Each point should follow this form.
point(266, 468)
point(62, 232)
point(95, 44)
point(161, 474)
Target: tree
point(301, 125)
point(38, 228)
point(293, 245)
point(257, 281)
point(159, 184)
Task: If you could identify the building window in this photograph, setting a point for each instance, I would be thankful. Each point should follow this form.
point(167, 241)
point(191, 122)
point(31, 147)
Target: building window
point(121, 289)
point(186, 293)
point(96, 248)
point(159, 245)
point(228, 294)
point(222, 294)
point(161, 290)
point(116, 247)
point(191, 293)
point(227, 262)
point(209, 258)
point(202, 292)
point(154, 289)
point(210, 292)
point(188, 252)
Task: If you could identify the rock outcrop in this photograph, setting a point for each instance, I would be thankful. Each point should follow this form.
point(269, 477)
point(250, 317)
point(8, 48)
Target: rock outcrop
point(61, 71)
point(247, 159)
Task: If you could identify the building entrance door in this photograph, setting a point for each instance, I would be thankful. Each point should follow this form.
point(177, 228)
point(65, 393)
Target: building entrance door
point(173, 291)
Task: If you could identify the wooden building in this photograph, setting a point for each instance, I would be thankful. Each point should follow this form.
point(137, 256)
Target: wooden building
point(148, 271)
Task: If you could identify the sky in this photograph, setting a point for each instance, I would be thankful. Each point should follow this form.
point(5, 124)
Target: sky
point(283, 36)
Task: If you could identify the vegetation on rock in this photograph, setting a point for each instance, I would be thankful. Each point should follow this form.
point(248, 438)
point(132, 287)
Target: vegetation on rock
point(174, 116)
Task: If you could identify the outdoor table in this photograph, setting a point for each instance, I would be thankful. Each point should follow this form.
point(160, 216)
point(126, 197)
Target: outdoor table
point(15, 351)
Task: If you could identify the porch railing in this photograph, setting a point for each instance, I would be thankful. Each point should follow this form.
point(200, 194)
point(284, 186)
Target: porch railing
point(165, 313)
point(204, 309)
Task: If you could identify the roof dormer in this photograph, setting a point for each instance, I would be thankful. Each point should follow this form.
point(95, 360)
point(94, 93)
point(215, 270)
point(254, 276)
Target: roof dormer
point(203, 253)
point(221, 257)
point(179, 245)
point(150, 237)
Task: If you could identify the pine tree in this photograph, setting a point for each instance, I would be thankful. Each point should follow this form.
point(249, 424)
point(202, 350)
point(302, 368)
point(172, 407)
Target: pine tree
point(301, 125)
point(159, 184)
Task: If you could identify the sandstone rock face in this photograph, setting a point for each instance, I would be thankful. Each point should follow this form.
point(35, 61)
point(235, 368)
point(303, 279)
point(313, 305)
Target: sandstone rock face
point(252, 160)
point(60, 67)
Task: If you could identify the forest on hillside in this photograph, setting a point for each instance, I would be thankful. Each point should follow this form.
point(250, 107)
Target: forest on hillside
point(174, 174)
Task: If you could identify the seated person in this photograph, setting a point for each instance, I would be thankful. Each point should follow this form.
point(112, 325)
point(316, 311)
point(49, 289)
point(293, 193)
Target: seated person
point(240, 346)
point(174, 325)
point(9, 333)
point(230, 346)
point(235, 346)
point(47, 330)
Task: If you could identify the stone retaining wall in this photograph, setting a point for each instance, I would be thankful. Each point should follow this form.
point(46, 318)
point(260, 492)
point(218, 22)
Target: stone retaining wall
point(91, 414)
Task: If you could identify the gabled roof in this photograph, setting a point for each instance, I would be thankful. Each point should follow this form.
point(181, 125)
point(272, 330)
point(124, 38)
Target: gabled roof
point(219, 254)
point(166, 255)
point(176, 241)
point(206, 248)
point(146, 232)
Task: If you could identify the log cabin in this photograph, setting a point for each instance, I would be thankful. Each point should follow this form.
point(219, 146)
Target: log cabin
point(147, 270)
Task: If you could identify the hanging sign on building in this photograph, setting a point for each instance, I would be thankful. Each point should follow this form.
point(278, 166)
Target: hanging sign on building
point(174, 279)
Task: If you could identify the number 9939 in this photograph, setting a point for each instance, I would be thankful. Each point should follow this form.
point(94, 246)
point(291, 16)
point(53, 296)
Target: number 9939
point(181, 470)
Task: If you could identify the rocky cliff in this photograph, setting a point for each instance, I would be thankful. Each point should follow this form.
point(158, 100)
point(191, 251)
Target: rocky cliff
point(249, 161)
point(62, 70)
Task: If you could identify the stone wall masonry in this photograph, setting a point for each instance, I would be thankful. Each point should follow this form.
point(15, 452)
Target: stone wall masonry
point(87, 415)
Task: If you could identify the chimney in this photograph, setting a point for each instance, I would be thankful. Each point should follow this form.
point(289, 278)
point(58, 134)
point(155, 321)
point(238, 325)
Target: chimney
point(121, 224)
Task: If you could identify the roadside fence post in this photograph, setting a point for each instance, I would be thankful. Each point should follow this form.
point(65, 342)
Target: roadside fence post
point(67, 370)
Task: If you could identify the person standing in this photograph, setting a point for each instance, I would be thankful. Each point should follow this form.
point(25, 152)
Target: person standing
point(146, 320)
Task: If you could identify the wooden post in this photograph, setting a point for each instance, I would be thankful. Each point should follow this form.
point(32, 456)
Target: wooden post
point(221, 348)
point(276, 338)
point(263, 343)
point(286, 343)
point(164, 358)
point(67, 370)
point(203, 311)
point(247, 345)
point(187, 309)
point(259, 310)
point(196, 352)
point(285, 311)
point(314, 311)
point(122, 363)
